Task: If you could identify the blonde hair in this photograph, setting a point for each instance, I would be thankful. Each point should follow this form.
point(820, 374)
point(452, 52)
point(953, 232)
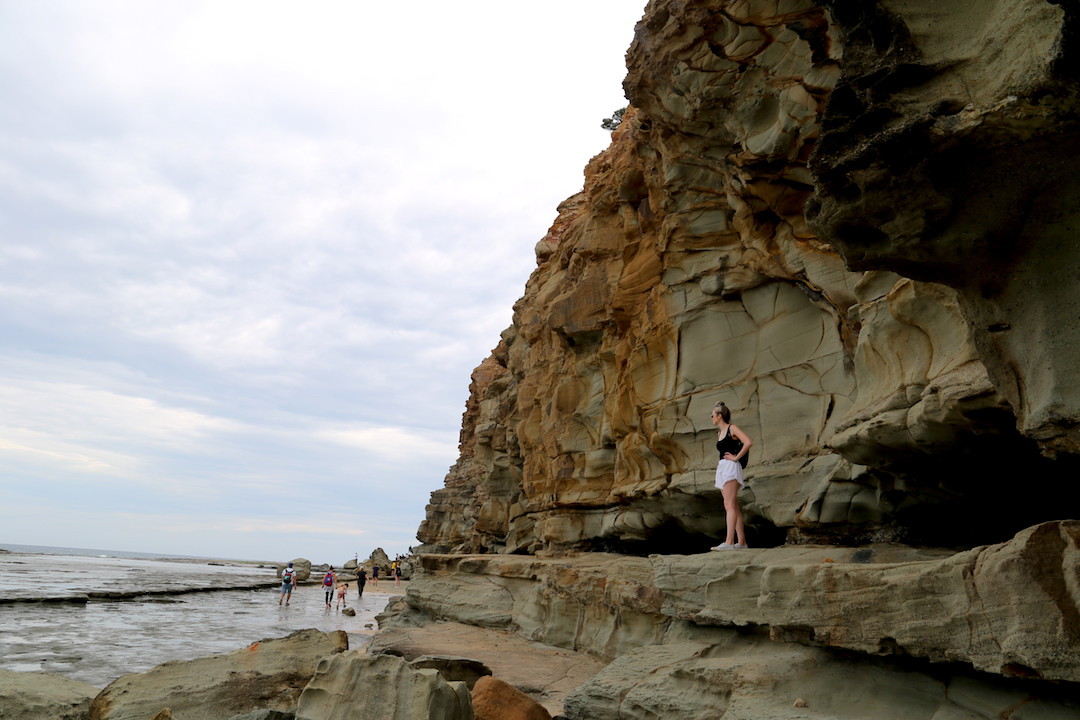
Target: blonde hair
point(721, 408)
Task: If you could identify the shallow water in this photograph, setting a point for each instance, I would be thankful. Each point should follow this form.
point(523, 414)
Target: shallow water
point(100, 640)
point(30, 576)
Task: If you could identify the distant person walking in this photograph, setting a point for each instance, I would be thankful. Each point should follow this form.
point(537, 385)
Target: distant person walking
point(329, 581)
point(397, 574)
point(288, 579)
point(361, 580)
point(375, 575)
point(733, 445)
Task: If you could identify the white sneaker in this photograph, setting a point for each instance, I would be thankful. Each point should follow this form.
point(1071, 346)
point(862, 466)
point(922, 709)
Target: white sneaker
point(725, 546)
point(739, 546)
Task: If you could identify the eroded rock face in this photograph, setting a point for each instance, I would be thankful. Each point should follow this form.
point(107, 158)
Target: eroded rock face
point(687, 272)
point(268, 675)
point(383, 686)
point(39, 695)
point(744, 634)
point(851, 222)
point(1008, 609)
point(748, 679)
point(545, 672)
point(969, 114)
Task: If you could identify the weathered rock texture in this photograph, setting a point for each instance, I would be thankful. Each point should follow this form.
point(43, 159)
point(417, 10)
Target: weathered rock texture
point(302, 567)
point(968, 112)
point(881, 393)
point(1012, 609)
point(268, 675)
point(545, 672)
point(750, 680)
point(39, 695)
point(886, 357)
point(493, 699)
point(354, 685)
point(975, 635)
point(854, 223)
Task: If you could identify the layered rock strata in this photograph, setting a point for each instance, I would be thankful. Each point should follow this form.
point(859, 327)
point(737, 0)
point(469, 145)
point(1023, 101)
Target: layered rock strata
point(355, 685)
point(979, 632)
point(462, 651)
point(268, 675)
point(1008, 609)
point(969, 114)
point(703, 261)
point(710, 257)
point(849, 221)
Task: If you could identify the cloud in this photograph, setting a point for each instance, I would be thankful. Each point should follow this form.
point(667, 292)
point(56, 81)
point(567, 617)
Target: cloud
point(96, 416)
point(253, 250)
point(21, 446)
point(390, 443)
point(318, 527)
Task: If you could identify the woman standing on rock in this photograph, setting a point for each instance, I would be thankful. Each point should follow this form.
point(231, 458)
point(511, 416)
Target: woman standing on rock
point(734, 447)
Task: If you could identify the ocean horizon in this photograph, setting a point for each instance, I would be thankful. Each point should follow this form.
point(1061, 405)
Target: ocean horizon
point(130, 554)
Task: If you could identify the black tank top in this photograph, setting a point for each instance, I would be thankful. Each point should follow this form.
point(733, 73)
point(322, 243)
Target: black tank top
point(731, 444)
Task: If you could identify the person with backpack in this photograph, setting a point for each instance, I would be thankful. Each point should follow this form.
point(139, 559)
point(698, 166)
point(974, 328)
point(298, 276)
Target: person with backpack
point(329, 581)
point(734, 448)
point(288, 580)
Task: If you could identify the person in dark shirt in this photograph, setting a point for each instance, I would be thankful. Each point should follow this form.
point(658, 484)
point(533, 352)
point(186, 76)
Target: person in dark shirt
point(733, 445)
point(361, 580)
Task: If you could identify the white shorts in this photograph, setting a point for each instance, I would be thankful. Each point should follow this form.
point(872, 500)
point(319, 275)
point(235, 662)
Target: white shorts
point(728, 470)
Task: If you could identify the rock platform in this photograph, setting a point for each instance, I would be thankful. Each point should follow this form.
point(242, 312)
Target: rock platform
point(544, 672)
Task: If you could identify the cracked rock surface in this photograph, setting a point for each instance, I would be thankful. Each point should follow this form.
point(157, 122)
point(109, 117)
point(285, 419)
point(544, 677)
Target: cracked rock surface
point(854, 223)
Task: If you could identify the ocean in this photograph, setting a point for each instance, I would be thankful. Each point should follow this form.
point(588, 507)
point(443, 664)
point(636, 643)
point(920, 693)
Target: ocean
point(94, 615)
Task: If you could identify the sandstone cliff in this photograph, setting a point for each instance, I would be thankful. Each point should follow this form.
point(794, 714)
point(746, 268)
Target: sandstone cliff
point(807, 226)
point(853, 223)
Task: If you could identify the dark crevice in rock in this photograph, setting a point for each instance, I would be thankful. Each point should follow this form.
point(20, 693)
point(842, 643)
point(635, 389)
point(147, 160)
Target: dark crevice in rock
point(949, 673)
point(1067, 63)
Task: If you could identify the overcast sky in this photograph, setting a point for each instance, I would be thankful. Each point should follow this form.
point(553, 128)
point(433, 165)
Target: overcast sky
point(250, 253)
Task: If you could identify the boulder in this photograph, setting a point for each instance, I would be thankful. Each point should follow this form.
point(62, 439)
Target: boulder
point(43, 696)
point(269, 674)
point(303, 569)
point(380, 558)
point(493, 699)
point(353, 685)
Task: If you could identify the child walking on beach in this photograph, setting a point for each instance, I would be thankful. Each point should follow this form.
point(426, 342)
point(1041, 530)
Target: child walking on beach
point(341, 588)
